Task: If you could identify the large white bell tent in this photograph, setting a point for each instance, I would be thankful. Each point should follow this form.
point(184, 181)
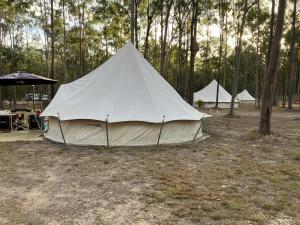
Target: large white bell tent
point(245, 97)
point(123, 102)
point(206, 97)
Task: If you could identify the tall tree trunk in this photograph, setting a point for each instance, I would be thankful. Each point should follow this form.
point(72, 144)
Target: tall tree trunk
point(80, 39)
point(283, 91)
point(149, 23)
point(225, 51)
point(52, 49)
point(271, 74)
point(180, 82)
point(292, 59)
point(194, 48)
point(64, 71)
point(164, 32)
point(221, 14)
point(161, 65)
point(238, 57)
point(207, 53)
point(272, 19)
point(132, 21)
point(258, 62)
point(136, 23)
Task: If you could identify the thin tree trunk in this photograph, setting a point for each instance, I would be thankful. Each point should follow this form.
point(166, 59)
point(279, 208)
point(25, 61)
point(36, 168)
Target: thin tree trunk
point(64, 71)
point(136, 23)
point(271, 74)
point(272, 19)
point(194, 48)
point(207, 54)
point(132, 21)
point(258, 63)
point(180, 83)
point(221, 13)
point(283, 92)
point(164, 33)
point(149, 22)
point(292, 59)
point(225, 52)
point(52, 49)
point(238, 58)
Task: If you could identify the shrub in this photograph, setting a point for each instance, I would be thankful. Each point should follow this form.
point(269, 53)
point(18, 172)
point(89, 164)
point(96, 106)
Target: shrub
point(200, 103)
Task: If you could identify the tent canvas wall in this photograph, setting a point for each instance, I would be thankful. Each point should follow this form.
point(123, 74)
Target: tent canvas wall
point(208, 95)
point(245, 97)
point(125, 101)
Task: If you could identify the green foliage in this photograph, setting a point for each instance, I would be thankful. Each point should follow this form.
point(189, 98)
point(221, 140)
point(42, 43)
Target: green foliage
point(100, 27)
point(200, 103)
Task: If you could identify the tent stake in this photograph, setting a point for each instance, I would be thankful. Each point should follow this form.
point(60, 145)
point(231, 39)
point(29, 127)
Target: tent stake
point(39, 126)
point(162, 124)
point(199, 128)
point(61, 131)
point(106, 126)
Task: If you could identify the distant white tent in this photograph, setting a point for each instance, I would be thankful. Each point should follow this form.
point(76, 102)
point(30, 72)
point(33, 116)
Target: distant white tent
point(245, 97)
point(208, 95)
point(125, 101)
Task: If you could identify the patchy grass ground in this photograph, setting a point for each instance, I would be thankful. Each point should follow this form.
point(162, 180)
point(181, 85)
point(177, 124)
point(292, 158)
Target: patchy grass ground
point(233, 177)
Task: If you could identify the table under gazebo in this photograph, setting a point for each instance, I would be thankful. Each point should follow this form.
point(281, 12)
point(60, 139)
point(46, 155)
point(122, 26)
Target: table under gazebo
point(18, 117)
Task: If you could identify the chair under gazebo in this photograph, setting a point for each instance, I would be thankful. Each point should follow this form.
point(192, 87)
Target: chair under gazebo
point(15, 118)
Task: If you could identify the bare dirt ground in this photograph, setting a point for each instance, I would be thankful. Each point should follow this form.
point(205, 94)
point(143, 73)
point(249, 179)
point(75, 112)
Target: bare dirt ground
point(233, 177)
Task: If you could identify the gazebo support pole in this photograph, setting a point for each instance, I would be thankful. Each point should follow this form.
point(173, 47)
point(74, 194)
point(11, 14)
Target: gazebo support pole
point(33, 98)
point(61, 131)
point(199, 128)
point(106, 127)
point(161, 126)
point(39, 125)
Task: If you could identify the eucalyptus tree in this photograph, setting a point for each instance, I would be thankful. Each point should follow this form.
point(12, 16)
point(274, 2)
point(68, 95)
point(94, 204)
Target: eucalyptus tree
point(271, 73)
point(243, 8)
point(291, 77)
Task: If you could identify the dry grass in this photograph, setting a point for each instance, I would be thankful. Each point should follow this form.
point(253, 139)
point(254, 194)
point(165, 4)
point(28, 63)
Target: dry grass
point(234, 177)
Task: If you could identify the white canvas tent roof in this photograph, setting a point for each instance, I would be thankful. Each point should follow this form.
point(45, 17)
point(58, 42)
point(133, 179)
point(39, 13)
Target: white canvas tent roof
point(126, 88)
point(209, 93)
point(244, 96)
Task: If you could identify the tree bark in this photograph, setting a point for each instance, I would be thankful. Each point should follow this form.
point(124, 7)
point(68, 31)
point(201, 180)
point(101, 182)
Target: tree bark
point(150, 15)
point(238, 56)
point(64, 71)
point(283, 91)
point(258, 59)
point(132, 21)
point(194, 48)
point(292, 59)
point(180, 82)
point(164, 33)
point(52, 49)
point(271, 74)
point(221, 14)
point(225, 52)
point(271, 32)
point(136, 23)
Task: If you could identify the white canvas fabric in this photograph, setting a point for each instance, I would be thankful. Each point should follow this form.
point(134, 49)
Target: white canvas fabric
point(209, 93)
point(132, 96)
point(92, 132)
point(244, 96)
point(126, 88)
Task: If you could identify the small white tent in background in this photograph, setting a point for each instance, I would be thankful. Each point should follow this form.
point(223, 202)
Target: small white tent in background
point(245, 97)
point(125, 101)
point(207, 97)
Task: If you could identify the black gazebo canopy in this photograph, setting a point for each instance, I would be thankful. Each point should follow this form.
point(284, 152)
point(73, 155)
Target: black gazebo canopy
point(23, 78)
